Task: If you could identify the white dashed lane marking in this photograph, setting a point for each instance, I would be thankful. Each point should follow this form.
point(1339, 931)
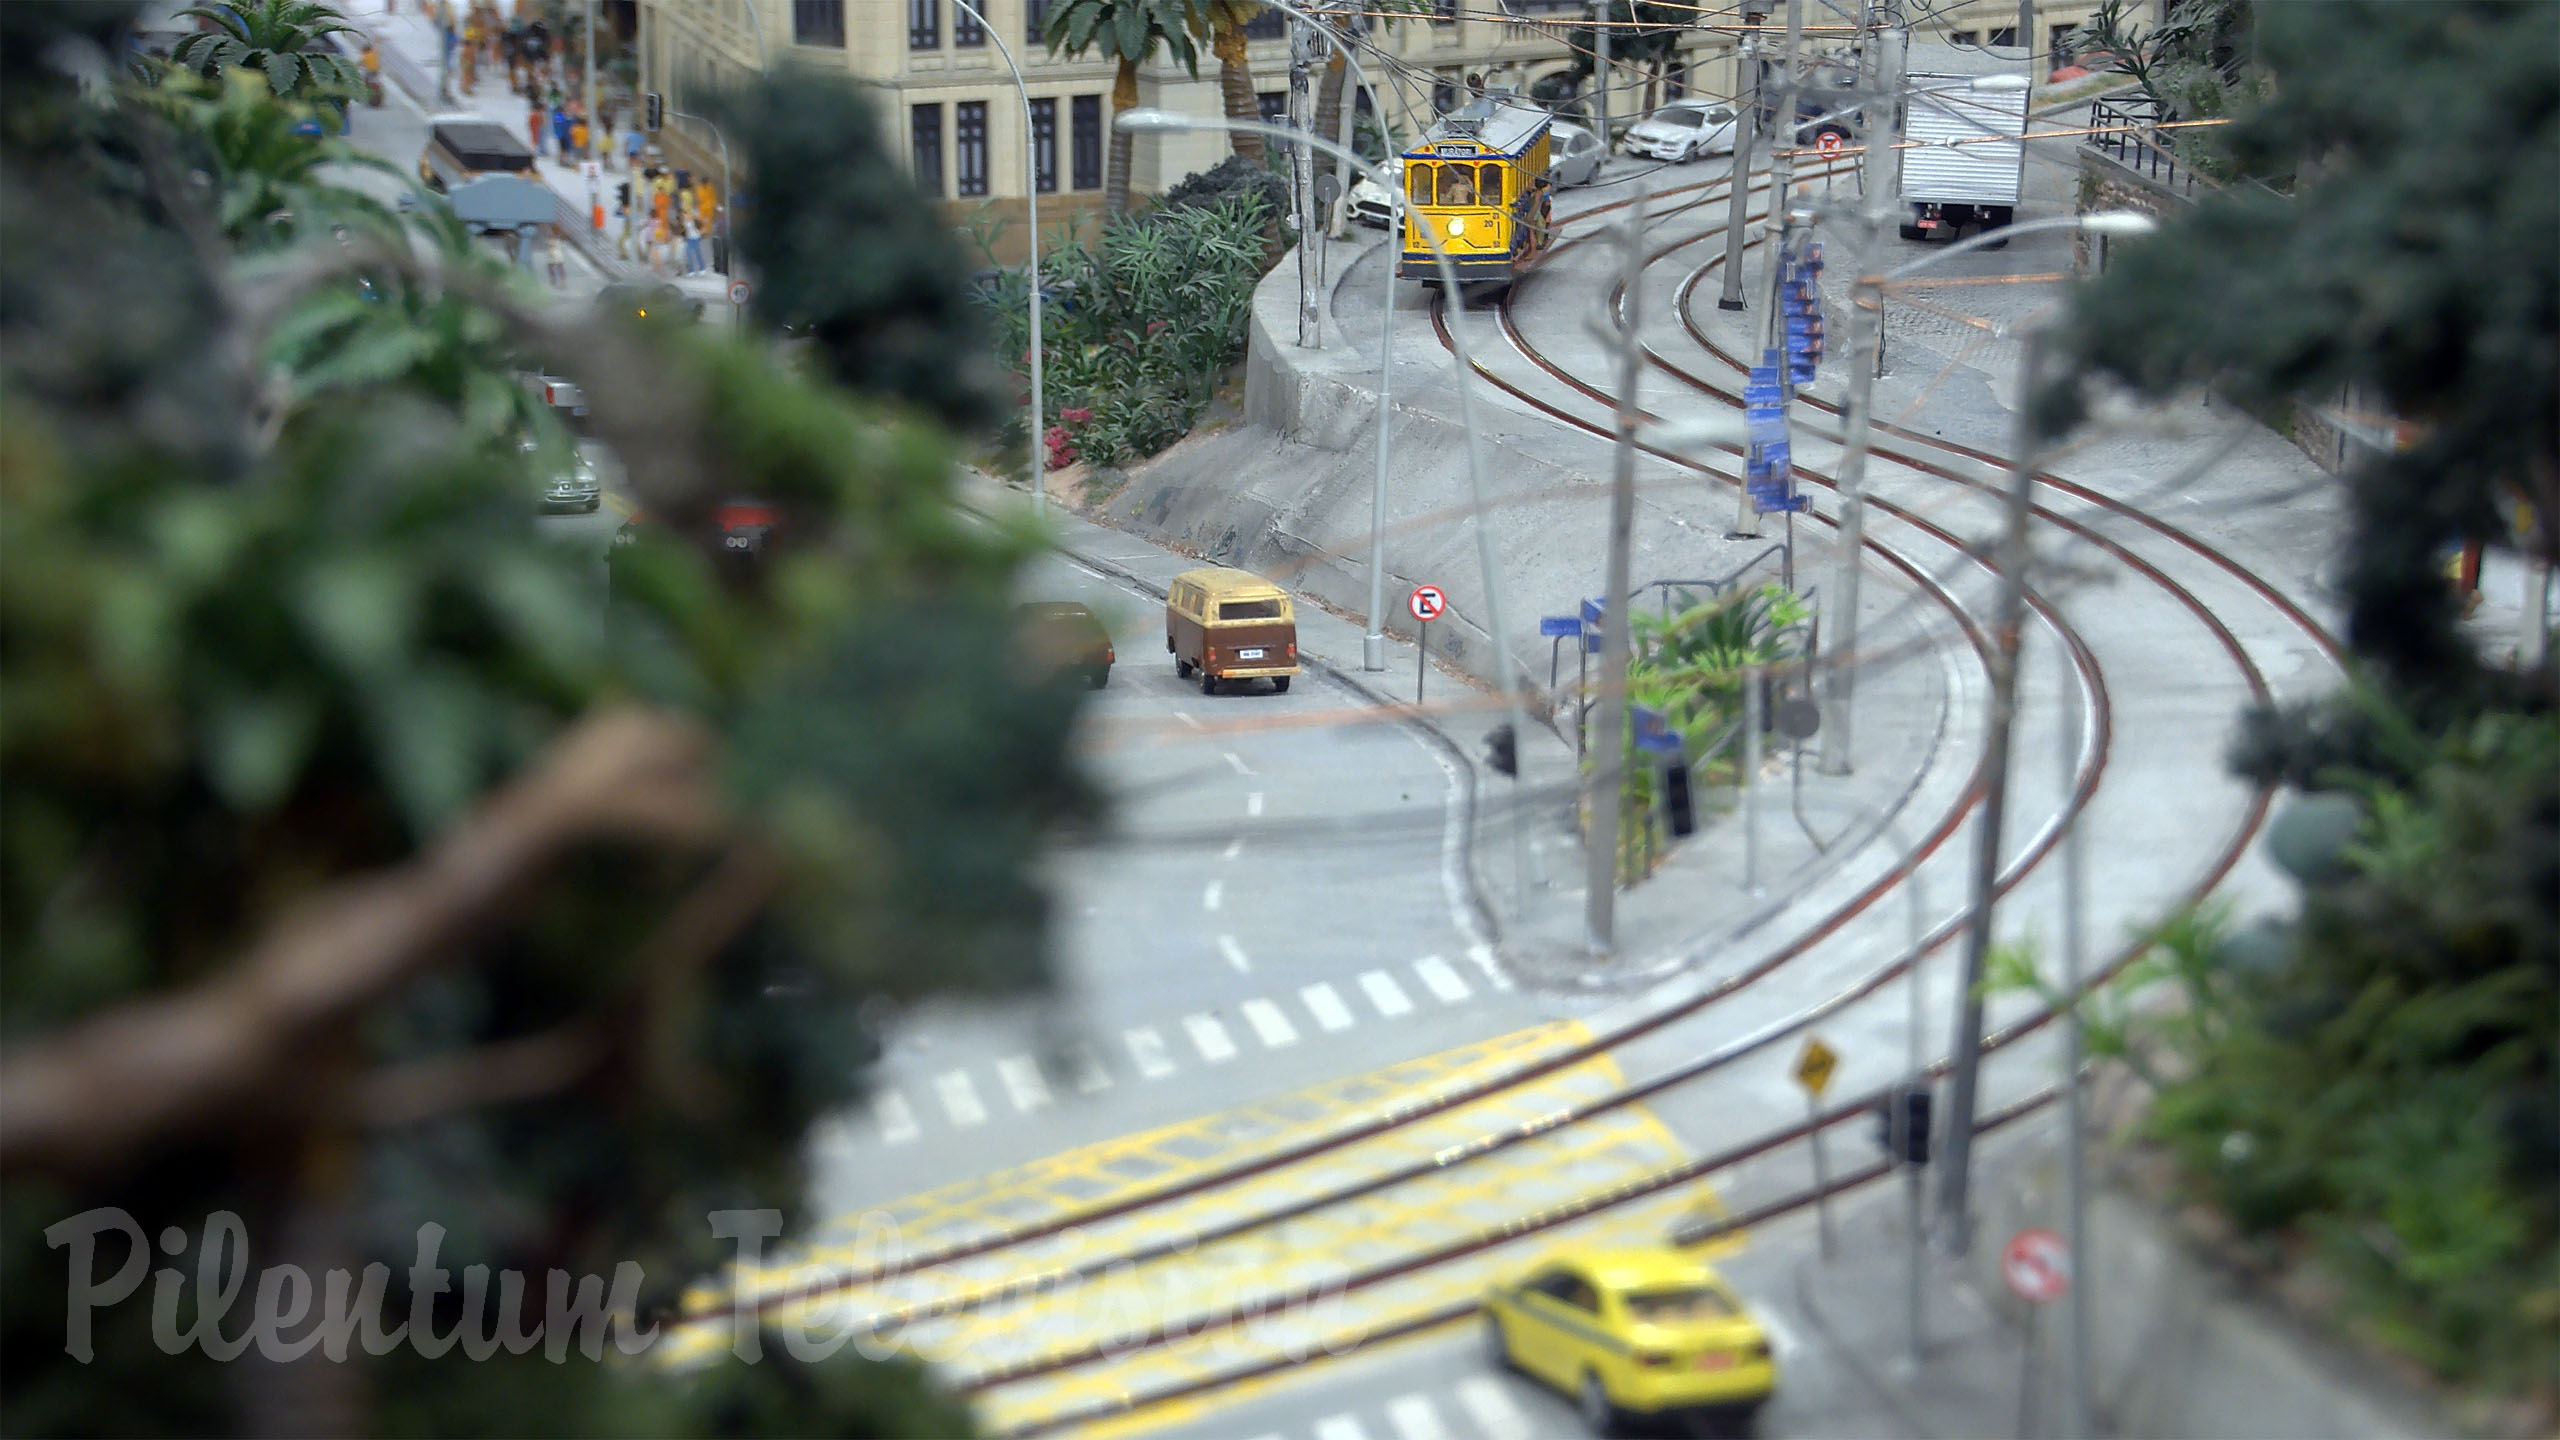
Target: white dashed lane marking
point(1085, 1068)
point(1237, 761)
point(896, 1119)
point(1492, 1408)
point(1385, 993)
point(1023, 1082)
point(1187, 718)
point(960, 1098)
point(1235, 848)
point(1210, 897)
point(1269, 1024)
point(1482, 957)
point(1242, 963)
point(1340, 1427)
point(1146, 1049)
point(1415, 1418)
point(1253, 803)
point(1442, 980)
point(1209, 1038)
point(1325, 1003)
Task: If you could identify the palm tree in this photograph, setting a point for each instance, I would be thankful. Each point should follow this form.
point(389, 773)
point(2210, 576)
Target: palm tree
point(285, 39)
point(1224, 22)
point(1127, 31)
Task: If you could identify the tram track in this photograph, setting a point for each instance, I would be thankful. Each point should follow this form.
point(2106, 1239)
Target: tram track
point(1165, 1333)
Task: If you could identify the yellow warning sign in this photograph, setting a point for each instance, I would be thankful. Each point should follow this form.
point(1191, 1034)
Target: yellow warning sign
point(1813, 1066)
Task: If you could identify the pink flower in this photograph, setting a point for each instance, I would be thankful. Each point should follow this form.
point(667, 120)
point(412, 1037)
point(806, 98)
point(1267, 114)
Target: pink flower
point(1077, 416)
point(1155, 326)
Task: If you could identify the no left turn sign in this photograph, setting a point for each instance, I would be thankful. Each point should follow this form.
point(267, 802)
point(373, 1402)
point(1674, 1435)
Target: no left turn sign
point(2037, 1265)
point(1828, 142)
point(1427, 603)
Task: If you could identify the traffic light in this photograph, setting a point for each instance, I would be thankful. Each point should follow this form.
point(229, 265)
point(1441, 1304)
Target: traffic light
point(623, 194)
point(1502, 749)
point(1676, 802)
point(1902, 1124)
point(654, 112)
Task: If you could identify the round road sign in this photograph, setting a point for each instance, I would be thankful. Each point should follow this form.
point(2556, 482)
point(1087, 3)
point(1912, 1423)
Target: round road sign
point(738, 292)
point(1427, 603)
point(2037, 1265)
point(1828, 142)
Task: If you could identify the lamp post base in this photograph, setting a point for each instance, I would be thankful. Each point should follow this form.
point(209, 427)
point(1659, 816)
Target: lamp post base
point(1373, 651)
point(1724, 304)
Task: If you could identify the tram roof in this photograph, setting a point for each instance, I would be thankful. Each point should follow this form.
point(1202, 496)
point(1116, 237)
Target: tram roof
point(1501, 126)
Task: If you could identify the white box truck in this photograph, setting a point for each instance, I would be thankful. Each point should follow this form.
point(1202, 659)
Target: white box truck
point(1967, 156)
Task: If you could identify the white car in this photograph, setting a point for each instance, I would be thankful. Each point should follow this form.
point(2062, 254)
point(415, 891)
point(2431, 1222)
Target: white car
point(1375, 207)
point(1683, 130)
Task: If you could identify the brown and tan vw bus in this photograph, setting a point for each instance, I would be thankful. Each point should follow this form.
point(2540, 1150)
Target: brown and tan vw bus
point(1230, 625)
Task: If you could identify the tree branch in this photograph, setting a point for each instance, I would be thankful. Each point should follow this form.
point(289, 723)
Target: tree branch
point(77, 1099)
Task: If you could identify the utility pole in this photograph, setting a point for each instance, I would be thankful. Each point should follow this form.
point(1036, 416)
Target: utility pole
point(1878, 208)
point(1954, 1199)
point(1745, 135)
point(1603, 15)
point(1609, 743)
point(595, 131)
point(1302, 180)
point(1782, 168)
point(2078, 1415)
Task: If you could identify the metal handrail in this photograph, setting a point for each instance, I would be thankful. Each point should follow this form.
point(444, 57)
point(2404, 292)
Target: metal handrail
point(2117, 130)
point(1714, 587)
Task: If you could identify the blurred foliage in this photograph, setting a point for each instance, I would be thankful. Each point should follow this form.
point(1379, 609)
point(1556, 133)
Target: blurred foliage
point(2376, 1076)
point(1140, 325)
point(274, 616)
point(889, 314)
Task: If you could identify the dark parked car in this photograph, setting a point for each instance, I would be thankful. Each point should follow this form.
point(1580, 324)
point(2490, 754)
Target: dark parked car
point(1061, 635)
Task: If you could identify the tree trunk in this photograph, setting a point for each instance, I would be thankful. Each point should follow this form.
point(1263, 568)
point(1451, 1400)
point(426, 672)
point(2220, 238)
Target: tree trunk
point(1115, 179)
point(1329, 97)
point(1235, 89)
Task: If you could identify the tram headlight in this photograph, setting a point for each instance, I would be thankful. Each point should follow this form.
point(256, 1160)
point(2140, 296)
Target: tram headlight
point(1457, 224)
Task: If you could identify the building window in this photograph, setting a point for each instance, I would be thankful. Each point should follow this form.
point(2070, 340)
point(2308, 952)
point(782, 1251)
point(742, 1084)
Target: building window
point(1675, 81)
point(966, 32)
point(1963, 37)
point(927, 122)
point(2063, 45)
point(1038, 10)
point(818, 22)
point(1086, 116)
point(1266, 24)
point(1274, 105)
point(969, 130)
point(1444, 12)
point(924, 24)
point(1444, 92)
point(2005, 35)
point(1044, 145)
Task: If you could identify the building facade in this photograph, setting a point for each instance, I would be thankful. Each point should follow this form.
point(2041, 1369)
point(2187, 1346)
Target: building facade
point(954, 113)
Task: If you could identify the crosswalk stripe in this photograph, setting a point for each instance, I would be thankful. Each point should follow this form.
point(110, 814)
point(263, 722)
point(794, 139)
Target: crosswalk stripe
point(1086, 1068)
point(1492, 1408)
point(1022, 1081)
point(1236, 958)
point(1325, 1003)
point(1385, 993)
point(1444, 982)
point(1146, 1047)
point(1484, 960)
point(1340, 1427)
point(1415, 1419)
point(896, 1118)
point(1209, 1038)
point(960, 1097)
point(1268, 1023)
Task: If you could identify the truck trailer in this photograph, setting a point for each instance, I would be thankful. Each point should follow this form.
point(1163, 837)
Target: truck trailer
point(1966, 156)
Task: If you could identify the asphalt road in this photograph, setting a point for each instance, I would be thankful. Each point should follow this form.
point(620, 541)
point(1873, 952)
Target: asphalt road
point(1272, 908)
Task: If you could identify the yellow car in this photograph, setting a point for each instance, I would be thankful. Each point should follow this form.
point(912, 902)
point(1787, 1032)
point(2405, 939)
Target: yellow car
point(1628, 1332)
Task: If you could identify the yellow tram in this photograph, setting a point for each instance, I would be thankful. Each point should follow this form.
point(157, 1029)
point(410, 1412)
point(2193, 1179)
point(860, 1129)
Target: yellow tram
point(1479, 180)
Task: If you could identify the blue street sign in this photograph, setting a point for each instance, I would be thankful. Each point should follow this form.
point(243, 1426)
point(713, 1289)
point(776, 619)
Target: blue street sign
point(1591, 611)
point(1559, 627)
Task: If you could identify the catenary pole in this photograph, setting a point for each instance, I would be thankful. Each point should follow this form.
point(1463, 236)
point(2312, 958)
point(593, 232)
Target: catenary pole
point(1605, 796)
point(1037, 425)
point(1604, 16)
point(1302, 178)
point(2078, 1420)
point(1746, 135)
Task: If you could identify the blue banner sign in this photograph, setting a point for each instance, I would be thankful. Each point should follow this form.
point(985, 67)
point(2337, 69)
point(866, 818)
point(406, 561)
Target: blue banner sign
point(1559, 627)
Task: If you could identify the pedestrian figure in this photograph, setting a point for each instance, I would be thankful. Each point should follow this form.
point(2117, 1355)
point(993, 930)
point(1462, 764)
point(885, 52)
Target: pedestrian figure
point(534, 127)
point(578, 138)
point(693, 245)
point(604, 118)
point(704, 197)
point(559, 131)
point(631, 143)
point(555, 260)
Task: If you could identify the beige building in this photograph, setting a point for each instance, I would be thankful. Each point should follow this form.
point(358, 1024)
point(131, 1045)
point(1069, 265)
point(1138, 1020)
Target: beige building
point(955, 114)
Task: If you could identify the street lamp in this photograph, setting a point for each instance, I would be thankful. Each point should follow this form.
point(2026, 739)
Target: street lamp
point(1149, 119)
point(1031, 201)
point(1866, 315)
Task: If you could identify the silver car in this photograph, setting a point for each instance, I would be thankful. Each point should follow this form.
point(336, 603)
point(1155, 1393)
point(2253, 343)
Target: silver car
point(1378, 208)
point(579, 485)
point(1682, 130)
point(1573, 156)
